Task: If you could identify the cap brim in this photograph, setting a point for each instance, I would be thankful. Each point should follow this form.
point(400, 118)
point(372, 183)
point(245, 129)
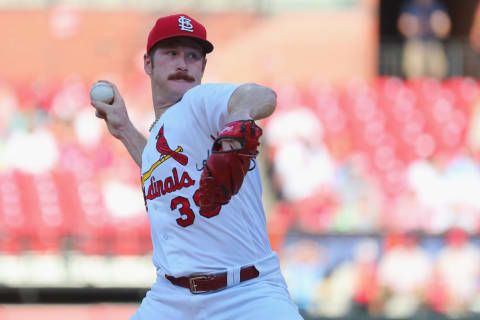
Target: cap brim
point(206, 45)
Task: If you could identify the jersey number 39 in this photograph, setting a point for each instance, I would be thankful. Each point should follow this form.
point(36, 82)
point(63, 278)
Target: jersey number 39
point(187, 215)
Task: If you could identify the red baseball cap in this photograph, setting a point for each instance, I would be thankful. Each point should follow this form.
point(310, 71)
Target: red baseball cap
point(179, 25)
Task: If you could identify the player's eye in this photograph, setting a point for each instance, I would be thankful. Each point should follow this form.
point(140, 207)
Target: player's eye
point(193, 55)
point(171, 53)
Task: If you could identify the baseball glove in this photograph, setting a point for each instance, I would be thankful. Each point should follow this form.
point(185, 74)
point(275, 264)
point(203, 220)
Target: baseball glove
point(224, 170)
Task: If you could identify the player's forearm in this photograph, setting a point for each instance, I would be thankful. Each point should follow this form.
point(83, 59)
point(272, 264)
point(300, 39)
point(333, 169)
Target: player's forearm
point(134, 141)
point(251, 101)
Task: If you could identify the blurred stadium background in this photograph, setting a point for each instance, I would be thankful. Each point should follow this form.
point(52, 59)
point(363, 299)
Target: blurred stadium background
point(371, 171)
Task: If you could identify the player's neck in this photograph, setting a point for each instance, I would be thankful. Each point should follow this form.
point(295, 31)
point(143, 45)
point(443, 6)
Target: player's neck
point(162, 103)
point(160, 109)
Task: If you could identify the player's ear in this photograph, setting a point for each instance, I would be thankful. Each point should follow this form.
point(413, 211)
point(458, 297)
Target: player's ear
point(204, 64)
point(147, 64)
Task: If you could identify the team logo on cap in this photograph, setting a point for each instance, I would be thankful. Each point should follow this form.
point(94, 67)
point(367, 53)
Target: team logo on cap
point(185, 24)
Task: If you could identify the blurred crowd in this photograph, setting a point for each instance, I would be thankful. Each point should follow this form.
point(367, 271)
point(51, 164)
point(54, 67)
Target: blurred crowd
point(62, 178)
point(392, 155)
point(393, 276)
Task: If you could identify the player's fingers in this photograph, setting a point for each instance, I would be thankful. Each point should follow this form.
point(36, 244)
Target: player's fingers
point(117, 95)
point(100, 114)
point(229, 144)
point(100, 106)
point(225, 145)
point(236, 144)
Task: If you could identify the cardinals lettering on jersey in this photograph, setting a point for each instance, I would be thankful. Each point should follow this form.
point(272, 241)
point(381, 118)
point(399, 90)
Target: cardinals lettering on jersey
point(169, 184)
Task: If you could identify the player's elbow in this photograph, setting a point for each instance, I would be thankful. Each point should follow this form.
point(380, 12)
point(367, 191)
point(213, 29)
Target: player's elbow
point(270, 101)
point(264, 101)
point(252, 101)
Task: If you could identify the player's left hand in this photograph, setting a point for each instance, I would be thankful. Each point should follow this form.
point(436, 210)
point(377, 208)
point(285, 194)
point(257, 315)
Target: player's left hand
point(225, 169)
point(230, 144)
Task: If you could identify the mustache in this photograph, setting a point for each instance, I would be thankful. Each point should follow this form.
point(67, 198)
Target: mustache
point(181, 76)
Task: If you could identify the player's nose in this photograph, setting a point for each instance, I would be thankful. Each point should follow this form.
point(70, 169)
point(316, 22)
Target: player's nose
point(182, 62)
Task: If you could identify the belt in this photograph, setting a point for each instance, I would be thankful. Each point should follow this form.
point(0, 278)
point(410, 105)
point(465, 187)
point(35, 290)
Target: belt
point(206, 283)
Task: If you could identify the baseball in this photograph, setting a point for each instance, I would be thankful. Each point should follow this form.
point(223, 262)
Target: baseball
point(102, 92)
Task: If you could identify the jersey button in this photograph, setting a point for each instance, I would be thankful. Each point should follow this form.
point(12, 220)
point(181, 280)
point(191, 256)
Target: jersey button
point(165, 237)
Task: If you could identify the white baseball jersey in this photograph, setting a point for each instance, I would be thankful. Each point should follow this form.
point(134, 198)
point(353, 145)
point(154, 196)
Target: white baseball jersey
point(184, 241)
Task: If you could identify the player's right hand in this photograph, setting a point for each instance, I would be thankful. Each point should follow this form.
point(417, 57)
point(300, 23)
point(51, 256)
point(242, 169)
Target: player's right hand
point(115, 114)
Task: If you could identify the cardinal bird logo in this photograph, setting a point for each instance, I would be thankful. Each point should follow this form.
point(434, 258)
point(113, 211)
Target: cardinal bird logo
point(165, 151)
point(165, 154)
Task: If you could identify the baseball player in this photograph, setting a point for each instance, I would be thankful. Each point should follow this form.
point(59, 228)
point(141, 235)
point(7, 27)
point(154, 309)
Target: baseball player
point(201, 186)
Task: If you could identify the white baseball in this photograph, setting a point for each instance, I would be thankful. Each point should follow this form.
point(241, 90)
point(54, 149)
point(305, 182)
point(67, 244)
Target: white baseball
point(102, 92)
